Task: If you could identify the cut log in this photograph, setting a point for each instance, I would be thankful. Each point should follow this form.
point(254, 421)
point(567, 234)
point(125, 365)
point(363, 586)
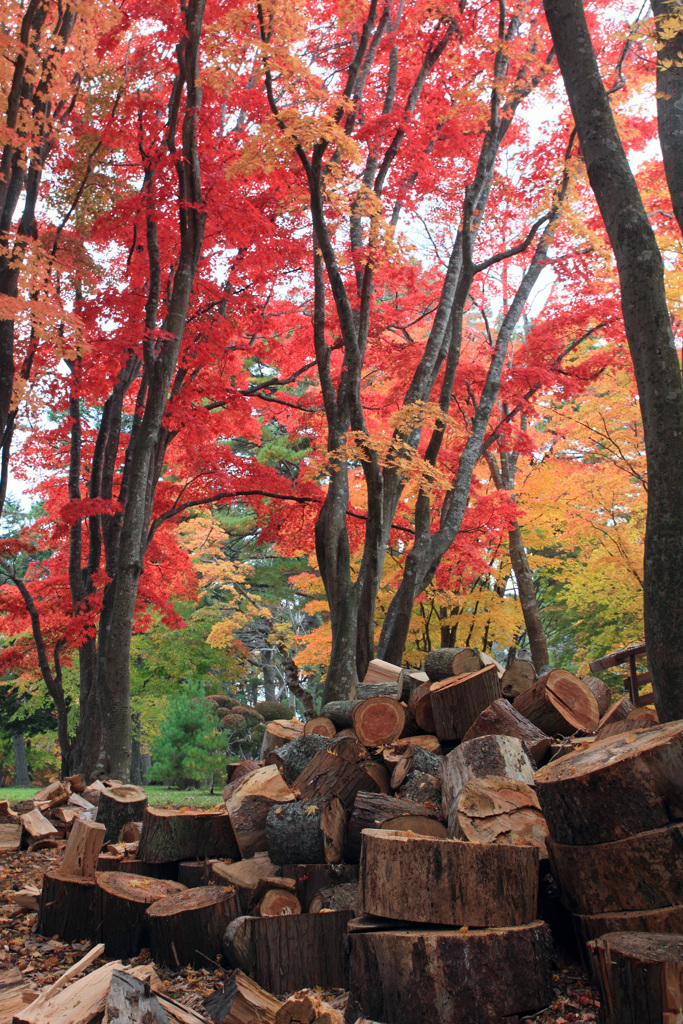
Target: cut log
point(53, 795)
point(643, 715)
point(642, 872)
point(422, 788)
point(415, 759)
point(242, 1001)
point(244, 877)
point(348, 747)
point(502, 719)
point(417, 824)
point(249, 804)
point(373, 810)
point(7, 815)
point(123, 900)
point(320, 726)
point(378, 721)
point(640, 977)
point(497, 810)
point(65, 815)
point(309, 879)
point(393, 753)
point(408, 682)
point(336, 897)
point(306, 832)
point(617, 728)
point(119, 805)
point(618, 712)
point(193, 873)
point(37, 826)
point(458, 701)
point(378, 773)
point(187, 927)
point(592, 926)
point(327, 776)
point(518, 677)
point(87, 811)
point(340, 712)
point(451, 977)
point(451, 661)
point(109, 861)
point(68, 907)
point(239, 769)
point(600, 691)
point(276, 902)
point(81, 1002)
point(379, 671)
point(292, 758)
point(559, 702)
point(439, 882)
point(10, 836)
point(12, 988)
point(92, 792)
point(306, 1008)
point(130, 1002)
point(615, 788)
point(485, 755)
point(170, 835)
point(279, 732)
point(83, 849)
point(284, 954)
point(420, 708)
point(363, 691)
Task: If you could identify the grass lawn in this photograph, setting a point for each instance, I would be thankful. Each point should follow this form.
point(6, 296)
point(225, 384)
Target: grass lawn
point(159, 796)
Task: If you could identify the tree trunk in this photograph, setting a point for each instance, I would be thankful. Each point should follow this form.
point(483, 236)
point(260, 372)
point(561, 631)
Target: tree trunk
point(21, 776)
point(527, 599)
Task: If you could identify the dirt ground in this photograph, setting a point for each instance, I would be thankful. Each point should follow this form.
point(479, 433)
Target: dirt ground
point(42, 960)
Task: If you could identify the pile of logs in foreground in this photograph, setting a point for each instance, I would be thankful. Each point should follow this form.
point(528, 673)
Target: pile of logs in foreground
point(394, 846)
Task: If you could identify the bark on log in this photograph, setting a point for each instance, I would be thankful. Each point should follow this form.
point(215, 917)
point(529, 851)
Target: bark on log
point(170, 835)
point(327, 776)
point(618, 712)
point(293, 757)
point(82, 849)
point(68, 908)
point(306, 832)
point(279, 732)
point(284, 954)
point(615, 788)
point(415, 759)
point(119, 805)
point(363, 691)
point(239, 769)
point(451, 661)
point(309, 879)
point(502, 719)
point(559, 702)
point(485, 755)
point(378, 773)
point(348, 747)
point(187, 927)
point(336, 897)
point(123, 900)
point(458, 701)
point(592, 926)
point(340, 712)
point(446, 977)
point(518, 677)
point(249, 804)
point(193, 873)
point(372, 810)
point(640, 977)
point(422, 788)
point(320, 726)
point(497, 810)
point(378, 721)
point(242, 1001)
point(600, 691)
point(420, 707)
point(408, 682)
point(245, 877)
point(439, 882)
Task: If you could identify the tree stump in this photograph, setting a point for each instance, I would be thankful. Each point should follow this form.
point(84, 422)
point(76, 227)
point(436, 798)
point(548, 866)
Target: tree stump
point(439, 882)
point(420, 707)
point(640, 977)
point(451, 661)
point(245, 877)
point(502, 719)
point(83, 849)
point(374, 810)
point(327, 776)
point(123, 900)
point(306, 832)
point(451, 977)
point(118, 806)
point(250, 803)
point(378, 720)
point(518, 677)
point(340, 712)
point(320, 726)
point(68, 907)
point(292, 758)
point(615, 788)
point(173, 835)
point(187, 927)
point(559, 702)
point(498, 810)
point(485, 755)
point(459, 700)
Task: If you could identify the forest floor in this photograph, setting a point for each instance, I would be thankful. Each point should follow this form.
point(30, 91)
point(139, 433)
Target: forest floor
point(42, 960)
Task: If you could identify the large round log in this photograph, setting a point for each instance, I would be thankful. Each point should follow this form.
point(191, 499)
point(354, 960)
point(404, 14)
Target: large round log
point(277, 901)
point(485, 755)
point(373, 810)
point(483, 976)
point(118, 806)
point(615, 788)
point(123, 900)
point(378, 720)
point(349, 747)
point(559, 702)
point(340, 712)
point(336, 897)
point(640, 977)
point(519, 676)
point(458, 701)
point(249, 805)
point(420, 707)
point(278, 732)
point(497, 810)
point(306, 833)
point(68, 907)
point(451, 661)
point(293, 757)
point(327, 776)
point(188, 927)
point(600, 691)
point(320, 726)
point(666, 919)
point(171, 835)
point(440, 882)
point(501, 719)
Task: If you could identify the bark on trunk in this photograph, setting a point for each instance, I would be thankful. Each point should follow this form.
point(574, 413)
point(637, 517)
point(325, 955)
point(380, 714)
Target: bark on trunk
point(21, 775)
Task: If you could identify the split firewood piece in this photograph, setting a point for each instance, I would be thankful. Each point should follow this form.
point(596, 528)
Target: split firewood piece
point(559, 702)
point(37, 826)
point(379, 671)
point(76, 783)
point(130, 1002)
point(65, 815)
point(498, 810)
point(307, 832)
point(280, 731)
point(615, 788)
point(244, 876)
point(119, 805)
point(53, 795)
point(422, 788)
point(250, 803)
point(320, 726)
point(439, 882)
point(420, 708)
point(479, 975)
point(415, 759)
point(379, 720)
point(12, 989)
point(519, 676)
point(276, 902)
point(452, 661)
point(28, 898)
point(378, 773)
point(187, 927)
point(10, 836)
point(327, 776)
point(284, 954)
point(68, 907)
point(123, 900)
point(82, 1001)
point(349, 747)
point(239, 769)
point(457, 701)
point(242, 1001)
point(409, 681)
point(363, 691)
point(336, 897)
point(340, 712)
point(92, 792)
point(502, 719)
point(170, 835)
point(393, 753)
point(617, 712)
point(7, 815)
point(600, 691)
point(307, 1007)
point(374, 810)
point(83, 849)
point(87, 811)
point(640, 977)
point(485, 755)
point(667, 920)
point(309, 879)
point(293, 757)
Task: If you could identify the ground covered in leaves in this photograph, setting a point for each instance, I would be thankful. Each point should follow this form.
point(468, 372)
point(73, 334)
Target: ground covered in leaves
point(43, 960)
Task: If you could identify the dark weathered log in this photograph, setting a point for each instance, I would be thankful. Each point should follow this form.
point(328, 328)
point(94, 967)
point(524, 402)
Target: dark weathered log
point(640, 977)
point(451, 661)
point(249, 805)
point(458, 701)
point(279, 732)
point(336, 897)
point(485, 755)
point(497, 810)
point(327, 776)
point(378, 773)
point(287, 953)
point(420, 707)
point(245, 877)
point(437, 881)
point(592, 926)
point(408, 682)
point(422, 788)
point(293, 757)
point(379, 720)
point(129, 1001)
point(305, 832)
point(173, 835)
point(119, 805)
point(135, 866)
point(123, 900)
point(83, 849)
point(483, 976)
point(309, 879)
point(320, 726)
point(372, 810)
point(519, 676)
point(187, 928)
point(109, 861)
point(193, 873)
point(415, 759)
point(502, 719)
point(68, 907)
point(559, 702)
point(340, 712)
point(615, 788)
point(600, 691)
